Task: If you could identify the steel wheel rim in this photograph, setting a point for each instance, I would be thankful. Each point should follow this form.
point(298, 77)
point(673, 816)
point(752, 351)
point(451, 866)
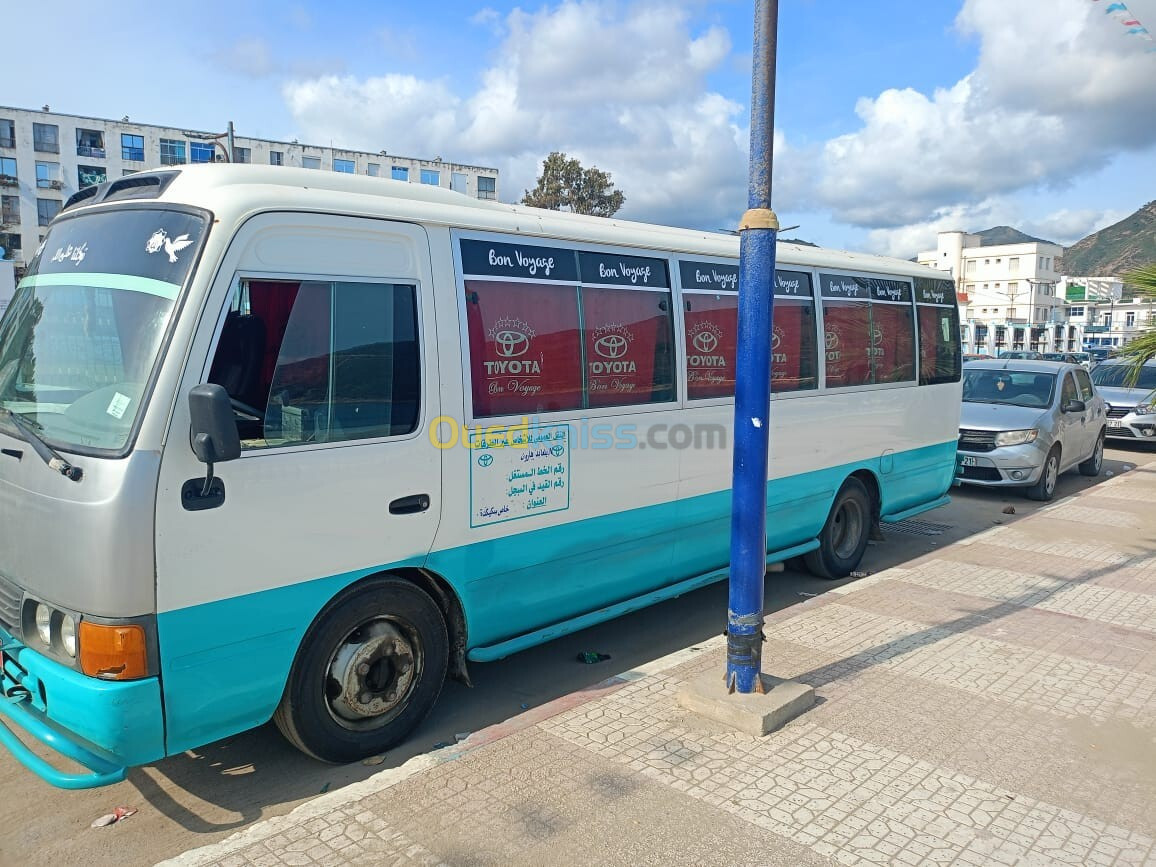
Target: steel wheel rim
point(372, 673)
point(847, 524)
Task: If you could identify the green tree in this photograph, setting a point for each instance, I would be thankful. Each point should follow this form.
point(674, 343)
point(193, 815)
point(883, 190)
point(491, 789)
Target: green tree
point(565, 185)
point(1143, 348)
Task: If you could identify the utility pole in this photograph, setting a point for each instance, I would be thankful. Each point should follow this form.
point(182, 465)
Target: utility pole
point(758, 234)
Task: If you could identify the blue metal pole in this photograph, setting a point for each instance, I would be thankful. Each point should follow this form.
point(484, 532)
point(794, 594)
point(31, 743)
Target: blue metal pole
point(758, 235)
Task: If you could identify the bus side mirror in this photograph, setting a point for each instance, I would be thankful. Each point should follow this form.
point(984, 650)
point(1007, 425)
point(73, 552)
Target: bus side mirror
point(214, 427)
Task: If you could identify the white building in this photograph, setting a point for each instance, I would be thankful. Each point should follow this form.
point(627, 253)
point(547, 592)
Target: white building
point(1107, 321)
point(46, 157)
point(1008, 294)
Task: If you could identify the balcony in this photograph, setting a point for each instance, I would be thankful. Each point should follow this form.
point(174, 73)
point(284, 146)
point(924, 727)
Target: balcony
point(9, 181)
point(46, 184)
point(86, 151)
point(7, 141)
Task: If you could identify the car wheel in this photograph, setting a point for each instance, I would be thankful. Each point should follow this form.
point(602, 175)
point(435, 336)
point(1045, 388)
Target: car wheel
point(1093, 465)
point(369, 670)
point(1045, 488)
point(843, 538)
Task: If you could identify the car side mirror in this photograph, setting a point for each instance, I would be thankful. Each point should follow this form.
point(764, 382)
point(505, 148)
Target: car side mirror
point(1075, 406)
point(214, 428)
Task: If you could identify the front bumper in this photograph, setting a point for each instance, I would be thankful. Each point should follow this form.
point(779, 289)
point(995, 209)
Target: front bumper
point(1003, 467)
point(104, 726)
point(1140, 428)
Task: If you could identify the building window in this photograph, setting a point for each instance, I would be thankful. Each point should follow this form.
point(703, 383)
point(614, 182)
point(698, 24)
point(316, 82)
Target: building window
point(7, 133)
point(1129, 319)
point(458, 182)
point(242, 155)
point(10, 246)
point(1076, 312)
point(399, 173)
point(9, 210)
point(46, 138)
point(172, 152)
point(131, 147)
point(969, 266)
point(487, 188)
point(46, 209)
point(90, 143)
point(1012, 288)
point(8, 176)
point(276, 158)
point(346, 167)
point(1108, 320)
point(201, 151)
point(48, 176)
point(373, 170)
point(1013, 265)
point(311, 162)
point(431, 177)
point(89, 176)
point(1011, 313)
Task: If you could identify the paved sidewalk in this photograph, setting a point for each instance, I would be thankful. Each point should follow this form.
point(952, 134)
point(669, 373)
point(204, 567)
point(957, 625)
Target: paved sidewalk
point(991, 703)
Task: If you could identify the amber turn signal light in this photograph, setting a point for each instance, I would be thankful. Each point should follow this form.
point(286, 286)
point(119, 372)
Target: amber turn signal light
point(113, 652)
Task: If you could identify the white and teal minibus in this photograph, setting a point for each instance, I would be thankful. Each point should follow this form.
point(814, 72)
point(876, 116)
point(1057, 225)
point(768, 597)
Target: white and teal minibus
point(287, 444)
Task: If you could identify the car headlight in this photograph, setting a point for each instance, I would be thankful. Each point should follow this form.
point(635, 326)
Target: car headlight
point(68, 634)
point(44, 623)
point(1016, 437)
point(1144, 409)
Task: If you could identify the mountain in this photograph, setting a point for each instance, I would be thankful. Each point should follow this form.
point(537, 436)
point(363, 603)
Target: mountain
point(1117, 249)
point(997, 235)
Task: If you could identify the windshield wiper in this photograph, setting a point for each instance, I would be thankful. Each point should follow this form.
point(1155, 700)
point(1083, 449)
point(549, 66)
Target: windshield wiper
point(46, 452)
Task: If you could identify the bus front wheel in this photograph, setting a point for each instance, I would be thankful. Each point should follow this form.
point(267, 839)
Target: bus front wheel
point(843, 538)
point(369, 670)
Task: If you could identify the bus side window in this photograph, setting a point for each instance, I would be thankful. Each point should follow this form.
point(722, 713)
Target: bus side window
point(311, 361)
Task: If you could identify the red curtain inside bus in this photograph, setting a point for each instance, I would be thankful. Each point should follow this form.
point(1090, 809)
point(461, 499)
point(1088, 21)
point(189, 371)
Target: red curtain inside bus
point(712, 325)
point(793, 362)
point(847, 338)
point(892, 343)
point(629, 346)
point(525, 348)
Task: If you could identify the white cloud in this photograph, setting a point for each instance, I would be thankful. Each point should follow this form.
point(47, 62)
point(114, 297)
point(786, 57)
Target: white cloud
point(620, 86)
point(1055, 95)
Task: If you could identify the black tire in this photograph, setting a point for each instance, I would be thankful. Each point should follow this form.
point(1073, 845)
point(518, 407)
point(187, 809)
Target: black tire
point(1093, 465)
point(1045, 488)
point(844, 536)
point(383, 638)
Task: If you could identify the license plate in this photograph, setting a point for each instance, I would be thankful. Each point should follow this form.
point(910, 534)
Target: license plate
point(1115, 422)
point(968, 461)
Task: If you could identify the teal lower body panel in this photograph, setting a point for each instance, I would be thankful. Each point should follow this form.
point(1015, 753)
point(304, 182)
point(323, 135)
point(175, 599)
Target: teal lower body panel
point(112, 723)
point(224, 664)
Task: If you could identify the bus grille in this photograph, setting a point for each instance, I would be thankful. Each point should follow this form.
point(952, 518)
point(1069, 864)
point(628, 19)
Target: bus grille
point(10, 596)
point(976, 440)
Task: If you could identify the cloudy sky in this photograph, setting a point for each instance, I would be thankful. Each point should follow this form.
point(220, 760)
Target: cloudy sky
point(894, 118)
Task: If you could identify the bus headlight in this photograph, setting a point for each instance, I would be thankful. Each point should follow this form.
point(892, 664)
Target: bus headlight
point(44, 623)
point(1016, 437)
point(68, 634)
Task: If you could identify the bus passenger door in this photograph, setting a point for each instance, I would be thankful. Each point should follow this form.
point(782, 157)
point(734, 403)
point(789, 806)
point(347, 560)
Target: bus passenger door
point(321, 331)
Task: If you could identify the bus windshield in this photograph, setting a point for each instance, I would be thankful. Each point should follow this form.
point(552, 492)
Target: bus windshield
point(81, 337)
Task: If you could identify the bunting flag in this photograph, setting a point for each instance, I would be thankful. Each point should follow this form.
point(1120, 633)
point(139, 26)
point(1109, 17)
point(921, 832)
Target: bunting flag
point(1127, 19)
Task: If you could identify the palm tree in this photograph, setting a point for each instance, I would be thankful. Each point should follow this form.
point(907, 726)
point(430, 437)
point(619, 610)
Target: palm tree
point(1143, 348)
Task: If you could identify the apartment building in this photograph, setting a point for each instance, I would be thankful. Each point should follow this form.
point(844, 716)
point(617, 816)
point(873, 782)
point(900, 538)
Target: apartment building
point(45, 157)
point(1008, 294)
point(1096, 310)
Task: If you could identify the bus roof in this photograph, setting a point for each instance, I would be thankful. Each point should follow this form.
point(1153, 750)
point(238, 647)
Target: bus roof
point(245, 189)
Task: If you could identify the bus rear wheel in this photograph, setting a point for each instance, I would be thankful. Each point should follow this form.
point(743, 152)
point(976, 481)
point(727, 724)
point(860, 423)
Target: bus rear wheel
point(368, 672)
point(843, 538)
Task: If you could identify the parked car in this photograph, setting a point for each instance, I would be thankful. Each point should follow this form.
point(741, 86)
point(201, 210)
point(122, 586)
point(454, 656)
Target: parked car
point(1081, 358)
point(1021, 353)
point(1131, 410)
point(978, 356)
point(1024, 422)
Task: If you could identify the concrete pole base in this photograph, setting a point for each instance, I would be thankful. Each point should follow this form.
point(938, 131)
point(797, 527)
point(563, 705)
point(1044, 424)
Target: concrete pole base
point(753, 714)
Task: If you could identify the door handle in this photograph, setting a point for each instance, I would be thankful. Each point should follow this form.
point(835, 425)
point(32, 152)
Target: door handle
point(409, 505)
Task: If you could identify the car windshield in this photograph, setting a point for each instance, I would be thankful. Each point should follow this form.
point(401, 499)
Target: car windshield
point(1013, 387)
point(80, 339)
point(1117, 376)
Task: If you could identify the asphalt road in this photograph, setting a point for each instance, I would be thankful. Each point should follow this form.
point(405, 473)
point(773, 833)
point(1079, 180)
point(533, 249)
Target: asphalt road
point(203, 796)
